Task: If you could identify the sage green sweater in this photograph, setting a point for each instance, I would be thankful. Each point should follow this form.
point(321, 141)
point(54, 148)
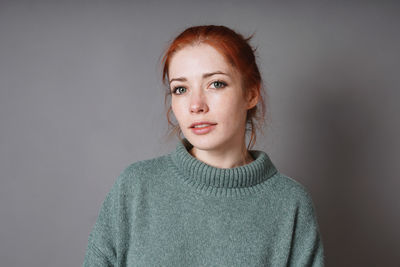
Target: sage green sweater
point(175, 210)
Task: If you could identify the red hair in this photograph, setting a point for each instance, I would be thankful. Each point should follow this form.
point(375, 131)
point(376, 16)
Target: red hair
point(237, 51)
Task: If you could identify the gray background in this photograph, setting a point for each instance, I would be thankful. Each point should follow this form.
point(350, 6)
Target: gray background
point(81, 99)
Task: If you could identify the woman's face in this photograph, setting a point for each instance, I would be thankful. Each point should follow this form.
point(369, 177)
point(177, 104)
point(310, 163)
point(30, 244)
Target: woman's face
point(205, 88)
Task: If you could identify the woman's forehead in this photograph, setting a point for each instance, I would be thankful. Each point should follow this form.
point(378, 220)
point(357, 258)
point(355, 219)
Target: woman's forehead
point(198, 59)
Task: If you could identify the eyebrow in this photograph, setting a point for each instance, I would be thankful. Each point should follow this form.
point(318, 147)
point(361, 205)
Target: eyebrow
point(205, 75)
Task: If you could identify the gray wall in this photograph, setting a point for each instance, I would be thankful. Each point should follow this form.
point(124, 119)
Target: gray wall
point(81, 99)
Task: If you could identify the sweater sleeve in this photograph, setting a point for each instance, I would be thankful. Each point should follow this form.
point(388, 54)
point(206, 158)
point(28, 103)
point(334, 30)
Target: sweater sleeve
point(101, 249)
point(307, 248)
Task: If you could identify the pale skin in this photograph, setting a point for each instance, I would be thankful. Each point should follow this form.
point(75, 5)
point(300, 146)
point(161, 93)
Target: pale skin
point(206, 88)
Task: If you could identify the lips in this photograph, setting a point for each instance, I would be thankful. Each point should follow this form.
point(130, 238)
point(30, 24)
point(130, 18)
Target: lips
point(202, 122)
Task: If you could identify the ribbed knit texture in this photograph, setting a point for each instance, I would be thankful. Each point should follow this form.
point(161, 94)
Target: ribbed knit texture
point(175, 210)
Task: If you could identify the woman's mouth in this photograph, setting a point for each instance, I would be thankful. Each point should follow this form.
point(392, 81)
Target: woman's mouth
point(203, 128)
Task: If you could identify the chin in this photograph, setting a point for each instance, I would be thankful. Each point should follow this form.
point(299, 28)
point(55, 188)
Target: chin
point(204, 142)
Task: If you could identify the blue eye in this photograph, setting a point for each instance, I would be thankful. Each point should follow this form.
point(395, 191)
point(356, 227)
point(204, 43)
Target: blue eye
point(219, 84)
point(178, 89)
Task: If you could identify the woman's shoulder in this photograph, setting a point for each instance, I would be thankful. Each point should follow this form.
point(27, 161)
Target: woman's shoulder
point(145, 165)
point(142, 174)
point(143, 169)
point(290, 189)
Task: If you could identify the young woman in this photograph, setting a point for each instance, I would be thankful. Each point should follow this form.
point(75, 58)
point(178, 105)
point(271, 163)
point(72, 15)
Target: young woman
point(211, 201)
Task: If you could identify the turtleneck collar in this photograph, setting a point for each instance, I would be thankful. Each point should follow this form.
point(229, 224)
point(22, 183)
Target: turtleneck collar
point(200, 174)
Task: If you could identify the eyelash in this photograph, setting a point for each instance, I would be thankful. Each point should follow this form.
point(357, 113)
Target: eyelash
point(223, 84)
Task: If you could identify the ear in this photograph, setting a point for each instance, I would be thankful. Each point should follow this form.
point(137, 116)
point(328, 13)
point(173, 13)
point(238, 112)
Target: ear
point(252, 97)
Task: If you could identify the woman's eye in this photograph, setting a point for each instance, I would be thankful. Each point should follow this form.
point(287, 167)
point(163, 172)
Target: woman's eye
point(219, 84)
point(179, 90)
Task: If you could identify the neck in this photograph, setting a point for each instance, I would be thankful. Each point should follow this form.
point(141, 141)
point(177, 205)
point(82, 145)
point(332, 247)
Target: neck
point(232, 157)
point(204, 178)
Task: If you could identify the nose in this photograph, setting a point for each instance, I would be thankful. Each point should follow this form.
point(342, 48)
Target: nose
point(198, 103)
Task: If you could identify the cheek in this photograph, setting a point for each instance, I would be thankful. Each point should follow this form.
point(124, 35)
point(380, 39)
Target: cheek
point(231, 111)
point(177, 109)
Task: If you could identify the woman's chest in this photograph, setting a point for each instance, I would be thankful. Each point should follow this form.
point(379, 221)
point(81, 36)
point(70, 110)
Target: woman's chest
point(204, 235)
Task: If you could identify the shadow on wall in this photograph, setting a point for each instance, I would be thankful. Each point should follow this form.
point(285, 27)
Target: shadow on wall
point(355, 202)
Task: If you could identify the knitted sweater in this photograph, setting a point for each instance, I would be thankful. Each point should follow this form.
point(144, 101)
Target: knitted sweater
point(175, 210)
